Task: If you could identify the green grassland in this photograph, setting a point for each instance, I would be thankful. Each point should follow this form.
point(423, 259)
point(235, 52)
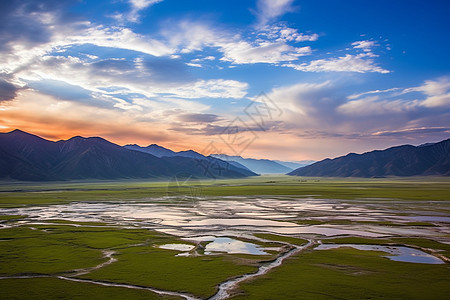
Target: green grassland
point(150, 266)
point(347, 273)
point(20, 194)
point(54, 288)
point(58, 247)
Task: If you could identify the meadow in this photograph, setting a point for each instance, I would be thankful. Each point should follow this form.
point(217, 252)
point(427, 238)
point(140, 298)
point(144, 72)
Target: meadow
point(78, 240)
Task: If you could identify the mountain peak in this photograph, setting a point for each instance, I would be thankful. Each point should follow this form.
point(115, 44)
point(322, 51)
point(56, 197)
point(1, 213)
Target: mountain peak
point(20, 135)
point(18, 132)
point(155, 146)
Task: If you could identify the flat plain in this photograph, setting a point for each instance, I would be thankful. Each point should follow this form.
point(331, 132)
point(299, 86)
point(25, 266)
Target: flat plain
point(266, 237)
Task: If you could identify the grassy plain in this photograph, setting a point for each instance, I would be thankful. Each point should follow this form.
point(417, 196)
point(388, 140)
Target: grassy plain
point(413, 188)
point(54, 288)
point(55, 250)
point(347, 273)
point(59, 246)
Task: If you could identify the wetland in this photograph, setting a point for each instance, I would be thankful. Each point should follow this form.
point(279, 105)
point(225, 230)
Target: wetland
point(257, 238)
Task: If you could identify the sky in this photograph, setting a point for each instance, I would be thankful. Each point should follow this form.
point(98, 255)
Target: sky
point(278, 79)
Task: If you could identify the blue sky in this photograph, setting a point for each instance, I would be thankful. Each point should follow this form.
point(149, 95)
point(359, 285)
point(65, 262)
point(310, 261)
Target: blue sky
point(277, 79)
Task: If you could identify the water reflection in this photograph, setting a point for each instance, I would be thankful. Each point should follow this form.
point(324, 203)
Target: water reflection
point(177, 247)
point(232, 246)
point(397, 253)
point(251, 214)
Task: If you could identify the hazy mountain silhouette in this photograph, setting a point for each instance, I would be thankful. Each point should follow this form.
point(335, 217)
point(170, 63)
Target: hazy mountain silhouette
point(406, 160)
point(260, 166)
point(160, 151)
point(24, 156)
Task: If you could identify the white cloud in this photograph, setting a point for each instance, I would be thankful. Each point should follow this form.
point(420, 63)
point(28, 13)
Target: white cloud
point(23, 56)
point(137, 6)
point(269, 10)
point(262, 47)
point(281, 32)
point(121, 38)
point(210, 58)
point(216, 88)
point(364, 45)
point(360, 63)
point(372, 106)
point(414, 130)
point(303, 102)
point(438, 92)
point(244, 53)
point(438, 101)
point(194, 65)
point(356, 96)
point(434, 93)
point(379, 113)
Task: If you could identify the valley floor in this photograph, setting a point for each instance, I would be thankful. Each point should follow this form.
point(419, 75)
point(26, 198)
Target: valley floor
point(267, 237)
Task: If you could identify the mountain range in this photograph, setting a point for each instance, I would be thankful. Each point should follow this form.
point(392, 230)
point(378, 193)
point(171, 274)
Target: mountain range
point(160, 151)
point(259, 166)
point(24, 156)
point(406, 160)
point(263, 166)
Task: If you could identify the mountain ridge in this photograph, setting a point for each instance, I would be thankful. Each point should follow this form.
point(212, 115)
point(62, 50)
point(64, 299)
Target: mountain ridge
point(24, 156)
point(404, 160)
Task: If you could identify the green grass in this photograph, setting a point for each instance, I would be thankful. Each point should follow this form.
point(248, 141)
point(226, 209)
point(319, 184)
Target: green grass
point(59, 248)
point(432, 188)
point(26, 251)
point(150, 266)
point(339, 273)
point(346, 273)
point(11, 217)
point(53, 288)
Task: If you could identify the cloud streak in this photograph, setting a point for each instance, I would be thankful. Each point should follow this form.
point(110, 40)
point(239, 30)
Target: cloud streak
point(360, 63)
point(269, 10)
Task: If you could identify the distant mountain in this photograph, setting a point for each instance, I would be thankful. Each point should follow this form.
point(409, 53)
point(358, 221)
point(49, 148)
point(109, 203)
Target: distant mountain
point(162, 152)
point(249, 164)
point(295, 164)
point(153, 149)
point(24, 156)
point(260, 166)
point(407, 160)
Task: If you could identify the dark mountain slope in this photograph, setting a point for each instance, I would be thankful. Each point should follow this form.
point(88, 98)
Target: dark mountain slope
point(407, 160)
point(152, 149)
point(160, 151)
point(209, 164)
point(24, 156)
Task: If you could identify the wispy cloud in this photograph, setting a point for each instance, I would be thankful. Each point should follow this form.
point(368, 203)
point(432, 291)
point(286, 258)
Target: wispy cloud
point(356, 96)
point(134, 14)
point(413, 131)
point(244, 53)
point(364, 45)
point(199, 118)
point(269, 10)
point(137, 6)
point(360, 63)
point(308, 106)
point(268, 45)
